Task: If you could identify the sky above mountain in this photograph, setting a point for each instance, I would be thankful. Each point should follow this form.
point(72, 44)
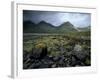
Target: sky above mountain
point(58, 18)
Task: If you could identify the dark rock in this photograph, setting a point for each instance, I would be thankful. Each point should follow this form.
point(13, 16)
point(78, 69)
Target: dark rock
point(39, 53)
point(62, 57)
point(62, 50)
point(54, 65)
point(44, 65)
point(80, 55)
point(50, 62)
point(77, 65)
point(25, 56)
point(50, 57)
point(35, 65)
point(45, 61)
point(61, 63)
point(56, 58)
point(26, 65)
point(73, 61)
point(44, 52)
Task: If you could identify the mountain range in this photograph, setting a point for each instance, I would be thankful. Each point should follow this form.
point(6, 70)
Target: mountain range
point(44, 27)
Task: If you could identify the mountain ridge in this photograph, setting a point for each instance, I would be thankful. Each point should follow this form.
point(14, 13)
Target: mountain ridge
point(44, 27)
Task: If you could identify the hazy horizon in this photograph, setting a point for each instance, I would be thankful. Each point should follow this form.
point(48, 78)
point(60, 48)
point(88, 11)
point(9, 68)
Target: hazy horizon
point(57, 18)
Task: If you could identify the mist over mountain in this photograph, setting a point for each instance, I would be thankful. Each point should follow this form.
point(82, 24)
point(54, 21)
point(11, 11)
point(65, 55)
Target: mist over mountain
point(44, 27)
point(87, 28)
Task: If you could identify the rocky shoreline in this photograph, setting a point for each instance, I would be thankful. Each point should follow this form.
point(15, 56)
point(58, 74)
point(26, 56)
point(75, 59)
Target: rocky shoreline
point(73, 58)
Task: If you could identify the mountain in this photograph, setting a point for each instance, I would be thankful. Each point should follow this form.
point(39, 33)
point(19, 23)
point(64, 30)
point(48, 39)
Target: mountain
point(67, 27)
point(44, 27)
point(28, 26)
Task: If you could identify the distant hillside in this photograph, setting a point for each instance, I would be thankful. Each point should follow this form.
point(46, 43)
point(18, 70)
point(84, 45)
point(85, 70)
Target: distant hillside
point(88, 28)
point(43, 27)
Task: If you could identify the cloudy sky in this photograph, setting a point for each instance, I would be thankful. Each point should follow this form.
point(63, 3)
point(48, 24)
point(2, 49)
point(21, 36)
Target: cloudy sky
point(57, 18)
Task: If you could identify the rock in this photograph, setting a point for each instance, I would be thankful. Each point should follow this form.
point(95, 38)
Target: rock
point(53, 66)
point(44, 52)
point(82, 64)
point(39, 52)
point(26, 65)
point(65, 59)
point(44, 61)
point(62, 57)
point(73, 61)
point(35, 65)
point(50, 63)
point(77, 47)
point(28, 60)
point(77, 65)
point(36, 53)
point(44, 65)
point(25, 56)
point(50, 57)
point(56, 58)
point(61, 63)
point(68, 54)
point(80, 56)
point(62, 49)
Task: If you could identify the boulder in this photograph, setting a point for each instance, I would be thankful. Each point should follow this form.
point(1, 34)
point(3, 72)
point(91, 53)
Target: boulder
point(77, 47)
point(80, 55)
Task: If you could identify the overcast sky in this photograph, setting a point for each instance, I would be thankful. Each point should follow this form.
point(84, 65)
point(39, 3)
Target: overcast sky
point(57, 18)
